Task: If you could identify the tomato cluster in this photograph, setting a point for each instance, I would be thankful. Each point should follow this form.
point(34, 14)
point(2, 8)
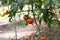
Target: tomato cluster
point(28, 19)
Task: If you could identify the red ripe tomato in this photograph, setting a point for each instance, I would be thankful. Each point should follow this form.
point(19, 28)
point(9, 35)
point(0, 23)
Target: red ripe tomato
point(30, 20)
point(43, 37)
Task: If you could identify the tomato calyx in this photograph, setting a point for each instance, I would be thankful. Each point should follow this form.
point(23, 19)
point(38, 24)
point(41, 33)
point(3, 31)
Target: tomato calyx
point(25, 17)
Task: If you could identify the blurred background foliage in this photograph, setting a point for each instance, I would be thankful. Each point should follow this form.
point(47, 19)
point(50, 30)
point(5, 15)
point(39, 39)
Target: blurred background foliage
point(46, 8)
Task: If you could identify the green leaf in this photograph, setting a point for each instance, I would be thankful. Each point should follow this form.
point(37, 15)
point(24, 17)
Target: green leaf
point(10, 19)
point(13, 11)
point(21, 3)
point(4, 2)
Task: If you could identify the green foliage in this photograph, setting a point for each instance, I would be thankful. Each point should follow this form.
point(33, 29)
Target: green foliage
point(13, 11)
point(4, 2)
point(20, 3)
point(49, 14)
point(48, 9)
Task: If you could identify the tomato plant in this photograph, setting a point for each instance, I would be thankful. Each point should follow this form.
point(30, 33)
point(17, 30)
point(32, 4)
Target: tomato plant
point(46, 8)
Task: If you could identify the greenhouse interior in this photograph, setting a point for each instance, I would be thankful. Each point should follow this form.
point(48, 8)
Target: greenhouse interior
point(29, 19)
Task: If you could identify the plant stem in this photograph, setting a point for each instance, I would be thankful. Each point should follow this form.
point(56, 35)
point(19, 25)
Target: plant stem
point(15, 29)
point(50, 4)
point(38, 29)
point(16, 32)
